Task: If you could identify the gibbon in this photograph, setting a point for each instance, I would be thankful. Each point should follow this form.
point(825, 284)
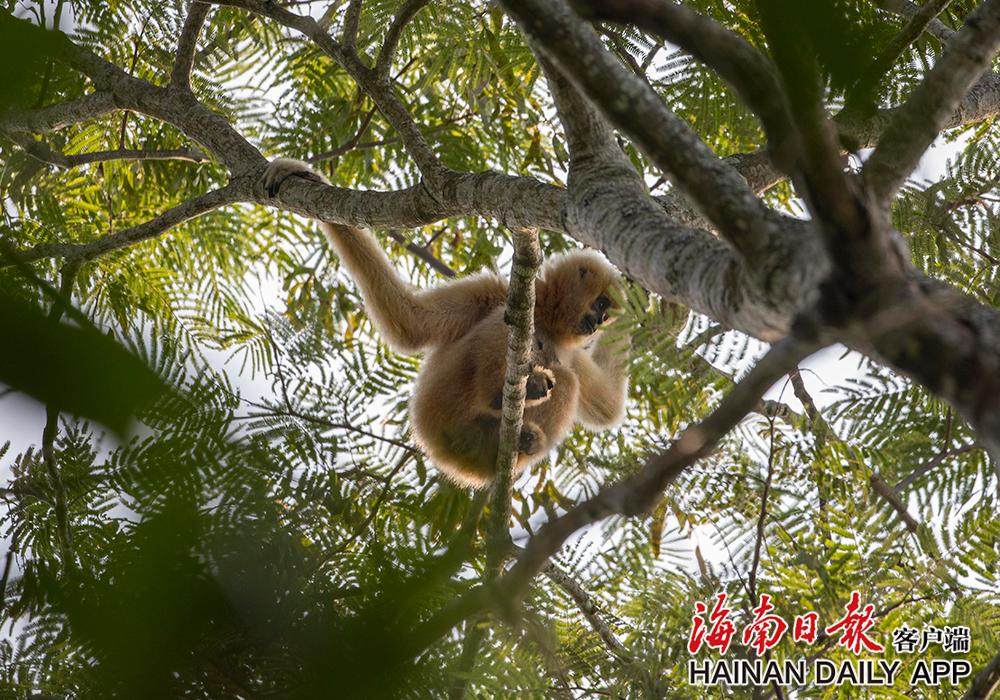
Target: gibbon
point(577, 373)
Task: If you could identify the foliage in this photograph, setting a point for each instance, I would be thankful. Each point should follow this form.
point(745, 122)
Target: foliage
point(267, 528)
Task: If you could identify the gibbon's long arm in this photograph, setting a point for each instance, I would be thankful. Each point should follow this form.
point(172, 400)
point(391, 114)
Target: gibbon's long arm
point(408, 318)
point(603, 382)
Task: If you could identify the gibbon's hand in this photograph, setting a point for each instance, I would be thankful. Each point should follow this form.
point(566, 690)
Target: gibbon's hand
point(280, 169)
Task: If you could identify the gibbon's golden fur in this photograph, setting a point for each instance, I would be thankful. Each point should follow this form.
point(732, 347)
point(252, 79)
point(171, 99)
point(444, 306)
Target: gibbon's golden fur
point(577, 374)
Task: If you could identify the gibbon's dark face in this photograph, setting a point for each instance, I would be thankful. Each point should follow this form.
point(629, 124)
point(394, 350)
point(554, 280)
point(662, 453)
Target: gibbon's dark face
point(596, 316)
point(574, 297)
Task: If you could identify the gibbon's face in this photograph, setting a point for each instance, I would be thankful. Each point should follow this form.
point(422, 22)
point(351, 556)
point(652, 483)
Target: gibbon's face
point(574, 297)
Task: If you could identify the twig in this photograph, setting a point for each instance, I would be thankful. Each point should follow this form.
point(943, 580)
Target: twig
point(51, 429)
point(936, 27)
point(589, 608)
point(822, 431)
point(761, 519)
point(932, 464)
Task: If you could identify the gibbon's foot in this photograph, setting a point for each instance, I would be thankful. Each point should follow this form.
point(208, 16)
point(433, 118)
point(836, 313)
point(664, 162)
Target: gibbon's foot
point(541, 382)
point(280, 169)
point(531, 439)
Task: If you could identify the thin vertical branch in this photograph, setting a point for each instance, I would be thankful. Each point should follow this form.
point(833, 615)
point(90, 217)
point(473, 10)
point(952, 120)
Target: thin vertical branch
point(519, 317)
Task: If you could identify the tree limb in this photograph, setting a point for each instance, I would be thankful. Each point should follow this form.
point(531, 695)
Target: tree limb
point(936, 27)
point(632, 106)
point(60, 115)
point(40, 151)
point(235, 191)
point(742, 66)
point(862, 93)
point(917, 123)
point(379, 89)
point(985, 682)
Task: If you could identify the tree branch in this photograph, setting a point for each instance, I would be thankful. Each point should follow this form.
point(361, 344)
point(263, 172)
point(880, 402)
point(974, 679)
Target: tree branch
point(180, 76)
point(743, 67)
point(379, 89)
point(406, 13)
point(862, 94)
point(588, 606)
point(629, 497)
point(349, 35)
point(60, 115)
point(177, 107)
point(632, 106)
point(235, 191)
point(916, 124)
point(40, 151)
point(519, 317)
point(985, 682)
point(936, 27)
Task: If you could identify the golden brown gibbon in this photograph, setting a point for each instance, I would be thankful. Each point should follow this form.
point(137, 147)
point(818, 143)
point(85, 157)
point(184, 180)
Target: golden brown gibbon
point(577, 374)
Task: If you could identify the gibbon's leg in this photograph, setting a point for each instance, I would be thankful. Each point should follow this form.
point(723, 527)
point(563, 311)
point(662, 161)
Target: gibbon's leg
point(603, 382)
point(409, 319)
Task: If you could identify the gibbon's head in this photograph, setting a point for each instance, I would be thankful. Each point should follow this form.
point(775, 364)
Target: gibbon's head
point(575, 296)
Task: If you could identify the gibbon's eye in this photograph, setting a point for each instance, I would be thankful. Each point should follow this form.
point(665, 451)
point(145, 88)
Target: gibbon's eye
point(539, 345)
point(602, 303)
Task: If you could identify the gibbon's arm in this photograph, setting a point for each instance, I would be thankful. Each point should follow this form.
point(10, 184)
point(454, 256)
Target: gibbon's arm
point(408, 318)
point(603, 382)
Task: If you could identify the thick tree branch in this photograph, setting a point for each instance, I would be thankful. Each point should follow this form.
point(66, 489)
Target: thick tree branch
point(60, 115)
point(349, 34)
point(743, 67)
point(917, 123)
point(177, 107)
point(180, 76)
point(632, 106)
